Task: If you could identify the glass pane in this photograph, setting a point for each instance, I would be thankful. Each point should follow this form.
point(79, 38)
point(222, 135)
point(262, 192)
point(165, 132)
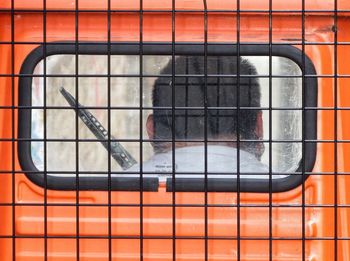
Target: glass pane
point(143, 109)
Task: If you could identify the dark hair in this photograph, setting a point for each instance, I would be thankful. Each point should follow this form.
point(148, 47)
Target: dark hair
point(221, 91)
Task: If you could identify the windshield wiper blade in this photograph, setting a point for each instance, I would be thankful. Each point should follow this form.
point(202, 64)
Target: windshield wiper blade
point(117, 151)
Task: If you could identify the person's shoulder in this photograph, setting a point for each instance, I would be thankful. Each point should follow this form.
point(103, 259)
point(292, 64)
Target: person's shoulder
point(157, 162)
point(249, 163)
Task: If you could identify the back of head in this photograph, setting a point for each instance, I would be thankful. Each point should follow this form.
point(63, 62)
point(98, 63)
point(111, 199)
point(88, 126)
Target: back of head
point(217, 93)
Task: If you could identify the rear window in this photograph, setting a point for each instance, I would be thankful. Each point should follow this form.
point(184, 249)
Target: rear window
point(172, 115)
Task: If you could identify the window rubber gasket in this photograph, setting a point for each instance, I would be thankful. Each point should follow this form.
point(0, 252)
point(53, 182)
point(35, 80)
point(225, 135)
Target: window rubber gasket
point(149, 183)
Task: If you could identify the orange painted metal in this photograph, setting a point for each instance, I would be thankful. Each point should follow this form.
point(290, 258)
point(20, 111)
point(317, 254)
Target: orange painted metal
point(157, 221)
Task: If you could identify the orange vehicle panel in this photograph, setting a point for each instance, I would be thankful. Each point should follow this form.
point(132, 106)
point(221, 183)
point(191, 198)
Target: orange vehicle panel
point(114, 222)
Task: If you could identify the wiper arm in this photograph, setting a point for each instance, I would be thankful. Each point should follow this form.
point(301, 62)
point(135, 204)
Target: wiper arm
point(118, 152)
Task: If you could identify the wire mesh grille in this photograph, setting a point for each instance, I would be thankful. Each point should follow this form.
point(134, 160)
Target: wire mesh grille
point(174, 131)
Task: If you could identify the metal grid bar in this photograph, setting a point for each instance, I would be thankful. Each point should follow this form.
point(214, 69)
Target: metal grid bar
point(173, 104)
point(285, 42)
point(205, 98)
point(182, 205)
point(189, 238)
point(239, 206)
point(335, 63)
point(109, 24)
point(76, 88)
point(270, 132)
point(176, 76)
point(267, 11)
point(13, 135)
point(142, 237)
point(303, 233)
point(45, 134)
point(238, 36)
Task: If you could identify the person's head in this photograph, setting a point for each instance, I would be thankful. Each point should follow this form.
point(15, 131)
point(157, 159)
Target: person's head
point(195, 96)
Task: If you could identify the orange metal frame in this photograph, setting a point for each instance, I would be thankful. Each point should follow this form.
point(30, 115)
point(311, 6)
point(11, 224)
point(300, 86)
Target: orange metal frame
point(157, 221)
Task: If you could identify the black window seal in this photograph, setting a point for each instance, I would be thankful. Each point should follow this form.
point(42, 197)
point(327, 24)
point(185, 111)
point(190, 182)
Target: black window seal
point(152, 183)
